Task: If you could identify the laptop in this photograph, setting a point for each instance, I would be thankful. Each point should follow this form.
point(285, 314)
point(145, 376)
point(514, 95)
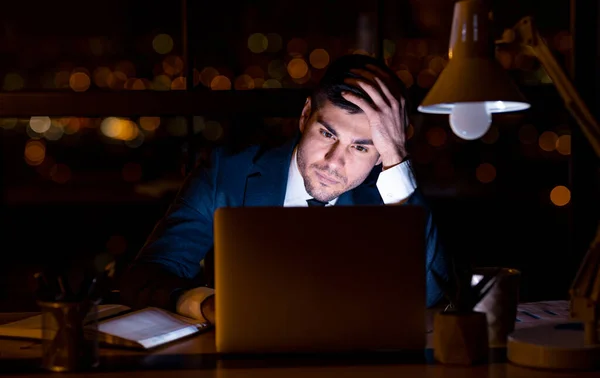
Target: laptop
point(320, 279)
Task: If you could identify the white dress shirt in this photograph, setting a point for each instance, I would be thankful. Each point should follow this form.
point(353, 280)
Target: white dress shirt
point(395, 184)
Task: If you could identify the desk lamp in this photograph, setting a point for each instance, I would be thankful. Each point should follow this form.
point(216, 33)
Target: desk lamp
point(471, 88)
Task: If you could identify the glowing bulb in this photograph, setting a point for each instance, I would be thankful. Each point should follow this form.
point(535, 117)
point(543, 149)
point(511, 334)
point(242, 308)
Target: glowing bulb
point(470, 120)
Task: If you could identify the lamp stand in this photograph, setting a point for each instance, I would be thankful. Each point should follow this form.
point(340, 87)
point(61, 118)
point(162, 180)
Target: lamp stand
point(553, 346)
point(573, 345)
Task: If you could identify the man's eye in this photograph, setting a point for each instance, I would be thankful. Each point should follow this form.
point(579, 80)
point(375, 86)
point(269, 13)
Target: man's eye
point(361, 149)
point(326, 134)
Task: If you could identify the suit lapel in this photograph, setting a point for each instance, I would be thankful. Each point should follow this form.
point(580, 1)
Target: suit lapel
point(267, 179)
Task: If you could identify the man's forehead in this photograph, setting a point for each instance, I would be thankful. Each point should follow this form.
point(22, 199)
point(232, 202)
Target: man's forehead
point(344, 123)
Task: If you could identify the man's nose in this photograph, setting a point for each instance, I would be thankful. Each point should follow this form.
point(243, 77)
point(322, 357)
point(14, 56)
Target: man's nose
point(335, 156)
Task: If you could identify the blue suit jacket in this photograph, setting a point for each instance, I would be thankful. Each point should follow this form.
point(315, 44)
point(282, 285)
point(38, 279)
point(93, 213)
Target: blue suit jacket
point(170, 260)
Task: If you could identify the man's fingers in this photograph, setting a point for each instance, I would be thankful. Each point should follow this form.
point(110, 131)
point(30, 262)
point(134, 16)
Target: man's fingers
point(370, 76)
point(378, 70)
point(363, 104)
point(373, 92)
point(386, 79)
point(386, 91)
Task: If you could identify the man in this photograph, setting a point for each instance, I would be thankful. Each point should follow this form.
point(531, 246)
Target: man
point(351, 151)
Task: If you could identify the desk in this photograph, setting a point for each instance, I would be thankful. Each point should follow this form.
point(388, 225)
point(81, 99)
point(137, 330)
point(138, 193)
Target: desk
point(195, 357)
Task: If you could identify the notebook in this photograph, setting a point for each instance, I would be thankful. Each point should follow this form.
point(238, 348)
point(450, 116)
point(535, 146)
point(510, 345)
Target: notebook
point(118, 325)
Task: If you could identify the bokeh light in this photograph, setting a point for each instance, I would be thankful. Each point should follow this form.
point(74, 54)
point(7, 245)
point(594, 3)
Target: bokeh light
point(8, 123)
point(35, 152)
point(491, 136)
point(178, 83)
point(207, 75)
point(60, 173)
point(212, 130)
point(272, 83)
point(389, 48)
point(116, 80)
point(297, 68)
point(55, 132)
point(257, 43)
point(79, 82)
point(220, 82)
point(255, 72)
point(39, 124)
point(172, 65)
point(485, 173)
point(437, 64)
point(560, 195)
point(119, 128)
point(406, 77)
point(177, 126)
point(127, 67)
point(162, 43)
point(547, 141)
point(61, 79)
point(277, 69)
point(101, 75)
point(149, 123)
point(70, 125)
point(161, 83)
point(319, 58)
point(563, 144)
point(244, 82)
point(13, 82)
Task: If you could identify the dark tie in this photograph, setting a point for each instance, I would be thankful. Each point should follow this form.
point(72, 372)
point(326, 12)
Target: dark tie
point(314, 202)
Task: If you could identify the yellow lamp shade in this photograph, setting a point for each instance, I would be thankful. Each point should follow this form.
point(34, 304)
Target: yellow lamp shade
point(472, 74)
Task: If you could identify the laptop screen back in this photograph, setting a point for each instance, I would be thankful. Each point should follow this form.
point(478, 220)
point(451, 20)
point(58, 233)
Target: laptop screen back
point(333, 279)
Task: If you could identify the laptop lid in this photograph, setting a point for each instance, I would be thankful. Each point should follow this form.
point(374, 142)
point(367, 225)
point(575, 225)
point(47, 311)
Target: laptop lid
point(332, 279)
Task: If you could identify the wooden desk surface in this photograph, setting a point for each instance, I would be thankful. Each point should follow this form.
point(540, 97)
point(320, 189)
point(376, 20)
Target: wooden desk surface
point(195, 357)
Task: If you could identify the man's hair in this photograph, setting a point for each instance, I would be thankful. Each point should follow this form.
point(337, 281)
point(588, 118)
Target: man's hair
point(332, 84)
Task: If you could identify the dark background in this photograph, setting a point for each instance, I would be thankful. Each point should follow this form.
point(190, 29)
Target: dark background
point(95, 198)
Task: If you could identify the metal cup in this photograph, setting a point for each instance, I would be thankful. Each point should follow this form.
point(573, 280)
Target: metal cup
point(69, 335)
point(500, 303)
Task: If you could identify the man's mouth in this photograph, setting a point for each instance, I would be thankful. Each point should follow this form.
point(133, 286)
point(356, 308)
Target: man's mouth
point(325, 179)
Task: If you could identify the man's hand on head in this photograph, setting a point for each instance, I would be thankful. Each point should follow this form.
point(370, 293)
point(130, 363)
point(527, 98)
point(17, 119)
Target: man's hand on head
point(385, 114)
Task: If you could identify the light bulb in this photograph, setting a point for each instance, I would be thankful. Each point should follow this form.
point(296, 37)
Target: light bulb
point(470, 120)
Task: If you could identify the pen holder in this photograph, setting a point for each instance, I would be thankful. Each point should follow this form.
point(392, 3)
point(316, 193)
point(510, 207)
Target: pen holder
point(69, 335)
point(500, 303)
point(460, 338)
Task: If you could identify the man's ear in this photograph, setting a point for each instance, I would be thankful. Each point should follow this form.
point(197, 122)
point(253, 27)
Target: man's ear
point(306, 112)
point(378, 160)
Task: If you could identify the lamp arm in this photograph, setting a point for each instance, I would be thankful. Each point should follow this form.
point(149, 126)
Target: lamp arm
point(585, 289)
point(528, 37)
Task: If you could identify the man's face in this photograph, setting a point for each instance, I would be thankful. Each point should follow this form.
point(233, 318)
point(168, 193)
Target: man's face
point(335, 153)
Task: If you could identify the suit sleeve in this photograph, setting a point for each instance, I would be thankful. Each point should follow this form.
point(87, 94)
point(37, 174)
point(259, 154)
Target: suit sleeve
point(169, 261)
point(436, 258)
